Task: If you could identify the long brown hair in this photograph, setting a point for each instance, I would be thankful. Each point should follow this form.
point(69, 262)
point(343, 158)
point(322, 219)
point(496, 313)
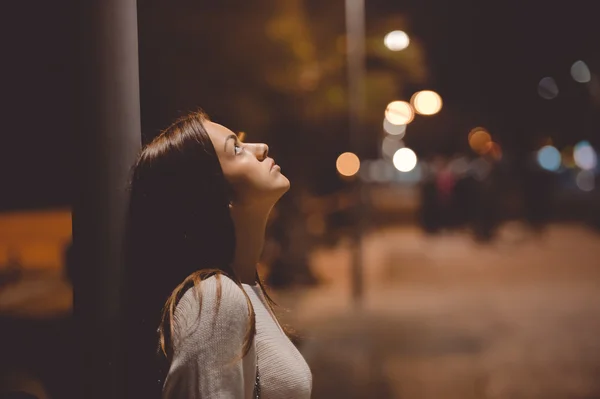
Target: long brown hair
point(179, 232)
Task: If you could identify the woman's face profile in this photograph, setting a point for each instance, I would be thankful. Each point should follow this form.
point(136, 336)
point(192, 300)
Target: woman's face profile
point(249, 170)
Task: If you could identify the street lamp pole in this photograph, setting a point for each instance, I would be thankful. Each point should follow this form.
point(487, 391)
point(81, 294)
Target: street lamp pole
point(355, 43)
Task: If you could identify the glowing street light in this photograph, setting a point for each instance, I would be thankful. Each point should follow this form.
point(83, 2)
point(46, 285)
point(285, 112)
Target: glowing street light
point(347, 164)
point(585, 156)
point(585, 180)
point(580, 72)
point(399, 113)
point(426, 102)
point(549, 158)
point(479, 140)
point(396, 40)
point(405, 159)
point(547, 88)
point(493, 150)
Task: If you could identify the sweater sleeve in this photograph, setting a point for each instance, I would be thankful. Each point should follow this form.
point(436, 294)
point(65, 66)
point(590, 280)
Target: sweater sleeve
point(208, 342)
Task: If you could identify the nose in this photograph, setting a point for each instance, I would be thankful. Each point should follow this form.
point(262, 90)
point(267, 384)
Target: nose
point(265, 151)
point(261, 151)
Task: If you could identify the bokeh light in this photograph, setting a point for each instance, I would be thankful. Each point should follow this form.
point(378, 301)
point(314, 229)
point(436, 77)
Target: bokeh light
point(580, 72)
point(364, 171)
point(479, 138)
point(549, 158)
point(567, 157)
point(409, 178)
point(315, 224)
point(396, 40)
point(585, 180)
point(347, 164)
point(394, 130)
point(547, 88)
point(426, 102)
point(381, 171)
point(399, 113)
point(480, 168)
point(377, 171)
point(389, 146)
point(459, 166)
point(585, 155)
point(405, 159)
point(493, 150)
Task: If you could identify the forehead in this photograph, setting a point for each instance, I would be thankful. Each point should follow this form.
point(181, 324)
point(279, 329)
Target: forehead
point(218, 134)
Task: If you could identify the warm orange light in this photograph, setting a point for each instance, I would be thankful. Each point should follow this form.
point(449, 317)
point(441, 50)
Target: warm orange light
point(493, 150)
point(479, 139)
point(315, 224)
point(426, 102)
point(399, 113)
point(567, 157)
point(242, 136)
point(347, 164)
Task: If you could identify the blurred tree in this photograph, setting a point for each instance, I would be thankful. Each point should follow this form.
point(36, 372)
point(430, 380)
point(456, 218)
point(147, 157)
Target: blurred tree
point(264, 66)
point(276, 70)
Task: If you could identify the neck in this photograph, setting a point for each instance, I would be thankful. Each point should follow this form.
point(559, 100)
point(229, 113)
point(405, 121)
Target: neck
point(250, 224)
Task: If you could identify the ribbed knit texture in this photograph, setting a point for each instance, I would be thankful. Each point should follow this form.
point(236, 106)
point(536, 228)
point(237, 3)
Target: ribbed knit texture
point(283, 371)
point(209, 338)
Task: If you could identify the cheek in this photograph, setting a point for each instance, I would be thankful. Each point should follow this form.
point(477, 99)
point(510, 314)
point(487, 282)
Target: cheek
point(247, 178)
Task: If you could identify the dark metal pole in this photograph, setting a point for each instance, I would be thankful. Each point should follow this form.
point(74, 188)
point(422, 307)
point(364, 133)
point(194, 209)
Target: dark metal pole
point(109, 138)
point(355, 33)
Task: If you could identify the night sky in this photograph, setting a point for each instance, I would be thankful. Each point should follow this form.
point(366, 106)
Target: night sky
point(485, 58)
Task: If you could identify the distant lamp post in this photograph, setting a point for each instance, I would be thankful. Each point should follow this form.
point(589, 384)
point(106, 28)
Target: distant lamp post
point(396, 40)
point(355, 36)
point(426, 102)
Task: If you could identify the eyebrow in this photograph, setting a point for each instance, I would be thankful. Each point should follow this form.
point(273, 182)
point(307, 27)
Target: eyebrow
point(231, 136)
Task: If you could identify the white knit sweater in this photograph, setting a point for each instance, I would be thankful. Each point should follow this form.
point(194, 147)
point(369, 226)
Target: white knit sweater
point(206, 348)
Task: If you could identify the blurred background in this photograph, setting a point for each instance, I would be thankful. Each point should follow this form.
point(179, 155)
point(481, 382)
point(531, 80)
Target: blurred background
point(442, 234)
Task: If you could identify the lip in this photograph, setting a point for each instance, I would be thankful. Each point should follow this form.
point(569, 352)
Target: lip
point(272, 164)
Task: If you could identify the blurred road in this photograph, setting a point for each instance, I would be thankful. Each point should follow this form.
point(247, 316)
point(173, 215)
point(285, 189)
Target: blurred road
point(445, 317)
point(442, 317)
point(37, 295)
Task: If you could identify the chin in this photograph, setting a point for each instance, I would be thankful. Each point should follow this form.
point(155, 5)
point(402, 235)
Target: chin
point(284, 186)
point(287, 183)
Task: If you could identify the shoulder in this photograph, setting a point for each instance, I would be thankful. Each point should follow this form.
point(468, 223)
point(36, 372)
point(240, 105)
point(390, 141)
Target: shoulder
point(219, 290)
point(215, 302)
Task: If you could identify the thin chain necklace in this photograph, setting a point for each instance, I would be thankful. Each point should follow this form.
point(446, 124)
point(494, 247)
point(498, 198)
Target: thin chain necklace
point(257, 382)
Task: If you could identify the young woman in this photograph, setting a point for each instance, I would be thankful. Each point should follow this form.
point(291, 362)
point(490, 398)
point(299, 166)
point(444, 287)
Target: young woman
point(200, 200)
